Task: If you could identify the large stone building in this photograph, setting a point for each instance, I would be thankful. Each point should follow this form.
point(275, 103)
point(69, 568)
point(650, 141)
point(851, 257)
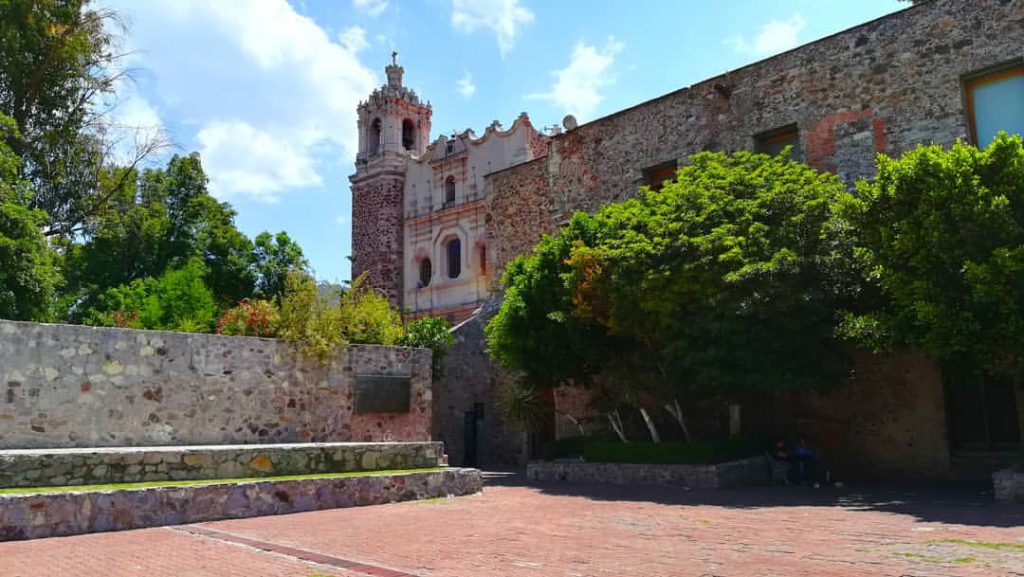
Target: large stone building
point(418, 209)
point(936, 72)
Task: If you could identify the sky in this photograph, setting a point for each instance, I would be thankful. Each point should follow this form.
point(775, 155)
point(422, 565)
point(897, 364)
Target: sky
point(266, 90)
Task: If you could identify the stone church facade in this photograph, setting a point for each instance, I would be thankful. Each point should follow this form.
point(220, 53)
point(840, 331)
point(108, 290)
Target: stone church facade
point(418, 210)
point(936, 72)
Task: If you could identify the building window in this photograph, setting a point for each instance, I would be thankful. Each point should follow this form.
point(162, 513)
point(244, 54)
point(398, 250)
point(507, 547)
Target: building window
point(408, 134)
point(374, 137)
point(655, 176)
point(995, 103)
point(774, 141)
point(453, 252)
point(426, 271)
point(449, 190)
point(483, 259)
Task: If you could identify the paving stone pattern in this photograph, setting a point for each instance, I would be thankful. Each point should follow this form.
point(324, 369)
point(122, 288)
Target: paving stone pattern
point(99, 466)
point(76, 386)
point(562, 530)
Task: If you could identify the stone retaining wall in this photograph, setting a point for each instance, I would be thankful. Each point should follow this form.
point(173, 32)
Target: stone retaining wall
point(1009, 485)
point(745, 472)
point(76, 386)
point(52, 515)
point(58, 467)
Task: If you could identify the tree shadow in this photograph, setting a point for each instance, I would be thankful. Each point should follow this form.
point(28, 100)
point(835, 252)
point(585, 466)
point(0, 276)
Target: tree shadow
point(947, 503)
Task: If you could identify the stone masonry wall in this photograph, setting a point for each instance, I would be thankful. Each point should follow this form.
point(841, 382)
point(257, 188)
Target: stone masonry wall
point(471, 385)
point(75, 386)
point(885, 86)
point(103, 466)
point(36, 516)
point(378, 232)
point(741, 473)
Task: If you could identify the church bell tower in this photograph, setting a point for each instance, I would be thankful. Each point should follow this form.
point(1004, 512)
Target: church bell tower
point(394, 126)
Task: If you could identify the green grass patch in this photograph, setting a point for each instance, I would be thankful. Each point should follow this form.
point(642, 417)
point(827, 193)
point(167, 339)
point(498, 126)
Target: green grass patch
point(937, 559)
point(193, 482)
point(994, 546)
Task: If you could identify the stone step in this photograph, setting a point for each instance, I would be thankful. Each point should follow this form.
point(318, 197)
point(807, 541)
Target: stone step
point(116, 465)
point(38, 515)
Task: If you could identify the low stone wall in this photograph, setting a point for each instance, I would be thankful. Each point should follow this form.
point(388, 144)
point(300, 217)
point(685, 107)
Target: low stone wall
point(58, 467)
point(745, 472)
point(75, 386)
point(58, 514)
point(1009, 485)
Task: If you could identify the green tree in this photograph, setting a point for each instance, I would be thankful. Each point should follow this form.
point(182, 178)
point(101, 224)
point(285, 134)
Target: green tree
point(58, 69)
point(178, 300)
point(28, 274)
point(942, 242)
point(274, 256)
point(161, 222)
point(725, 280)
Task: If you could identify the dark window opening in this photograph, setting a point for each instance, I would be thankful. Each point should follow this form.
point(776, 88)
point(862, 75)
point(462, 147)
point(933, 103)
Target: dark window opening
point(426, 271)
point(655, 176)
point(773, 142)
point(408, 134)
point(449, 190)
point(374, 137)
point(483, 259)
point(994, 104)
point(454, 253)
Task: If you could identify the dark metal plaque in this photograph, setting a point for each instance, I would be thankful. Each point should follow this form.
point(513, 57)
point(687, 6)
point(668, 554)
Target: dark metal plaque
point(382, 393)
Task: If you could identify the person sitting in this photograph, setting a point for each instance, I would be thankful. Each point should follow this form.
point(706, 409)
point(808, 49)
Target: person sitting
point(781, 467)
point(804, 462)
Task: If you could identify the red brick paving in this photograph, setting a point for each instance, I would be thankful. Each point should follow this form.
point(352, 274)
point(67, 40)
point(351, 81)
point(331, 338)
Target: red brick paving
point(572, 531)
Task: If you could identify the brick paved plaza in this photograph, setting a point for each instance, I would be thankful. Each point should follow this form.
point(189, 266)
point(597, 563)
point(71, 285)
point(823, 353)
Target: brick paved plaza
point(573, 531)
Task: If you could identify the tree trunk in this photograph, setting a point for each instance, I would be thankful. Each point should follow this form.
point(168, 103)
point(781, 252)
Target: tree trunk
point(650, 425)
point(616, 422)
point(677, 413)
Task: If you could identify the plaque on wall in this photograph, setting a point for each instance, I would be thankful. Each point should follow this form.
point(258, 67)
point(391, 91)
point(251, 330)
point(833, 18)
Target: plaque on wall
point(382, 393)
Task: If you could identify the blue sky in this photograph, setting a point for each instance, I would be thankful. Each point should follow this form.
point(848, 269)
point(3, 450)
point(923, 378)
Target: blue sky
point(266, 90)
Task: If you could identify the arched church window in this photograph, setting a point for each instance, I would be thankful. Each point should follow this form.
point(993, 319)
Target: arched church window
point(449, 190)
point(408, 134)
point(426, 271)
point(453, 252)
point(374, 137)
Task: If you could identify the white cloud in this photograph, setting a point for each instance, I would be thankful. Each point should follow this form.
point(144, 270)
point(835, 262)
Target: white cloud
point(775, 36)
point(372, 7)
point(353, 39)
point(503, 17)
point(577, 87)
point(249, 161)
point(266, 95)
point(466, 87)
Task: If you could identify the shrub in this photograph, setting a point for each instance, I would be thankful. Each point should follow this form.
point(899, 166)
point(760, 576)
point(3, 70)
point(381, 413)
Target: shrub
point(432, 333)
point(367, 317)
point(178, 301)
point(308, 318)
point(251, 318)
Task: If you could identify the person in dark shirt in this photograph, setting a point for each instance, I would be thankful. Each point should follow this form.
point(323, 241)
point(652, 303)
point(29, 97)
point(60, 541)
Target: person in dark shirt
point(804, 461)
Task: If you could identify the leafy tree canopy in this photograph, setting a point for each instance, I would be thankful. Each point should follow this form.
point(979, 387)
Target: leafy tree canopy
point(942, 240)
point(28, 275)
point(726, 279)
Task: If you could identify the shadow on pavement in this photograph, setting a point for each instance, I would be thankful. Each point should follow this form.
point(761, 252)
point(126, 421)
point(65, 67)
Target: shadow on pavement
point(931, 503)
